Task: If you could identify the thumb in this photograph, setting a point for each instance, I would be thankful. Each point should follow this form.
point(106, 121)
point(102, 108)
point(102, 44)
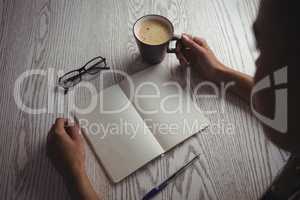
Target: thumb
point(194, 46)
point(202, 42)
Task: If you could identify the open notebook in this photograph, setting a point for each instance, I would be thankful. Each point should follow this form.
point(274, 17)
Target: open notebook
point(148, 126)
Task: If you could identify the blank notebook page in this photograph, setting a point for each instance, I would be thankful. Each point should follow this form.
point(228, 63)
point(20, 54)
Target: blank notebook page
point(121, 149)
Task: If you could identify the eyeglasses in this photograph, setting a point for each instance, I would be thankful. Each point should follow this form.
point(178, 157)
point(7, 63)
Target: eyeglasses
point(92, 67)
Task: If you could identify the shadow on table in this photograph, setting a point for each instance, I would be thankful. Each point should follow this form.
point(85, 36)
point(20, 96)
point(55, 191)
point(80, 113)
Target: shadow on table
point(39, 180)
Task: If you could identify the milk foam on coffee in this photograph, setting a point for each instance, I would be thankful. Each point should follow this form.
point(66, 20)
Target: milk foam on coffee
point(153, 32)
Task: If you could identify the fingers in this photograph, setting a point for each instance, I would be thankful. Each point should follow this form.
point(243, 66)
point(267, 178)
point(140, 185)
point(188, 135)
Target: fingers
point(191, 49)
point(74, 132)
point(64, 128)
point(182, 59)
point(179, 55)
point(58, 130)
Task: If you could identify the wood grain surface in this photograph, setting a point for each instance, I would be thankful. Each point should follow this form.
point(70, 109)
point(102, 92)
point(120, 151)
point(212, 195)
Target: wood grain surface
point(236, 162)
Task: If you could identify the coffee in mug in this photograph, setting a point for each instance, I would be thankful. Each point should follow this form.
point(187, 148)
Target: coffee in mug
point(153, 34)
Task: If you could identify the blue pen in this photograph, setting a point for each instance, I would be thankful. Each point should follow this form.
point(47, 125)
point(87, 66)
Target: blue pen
point(159, 188)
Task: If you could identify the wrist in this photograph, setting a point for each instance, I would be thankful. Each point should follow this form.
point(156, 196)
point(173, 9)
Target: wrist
point(78, 171)
point(221, 73)
point(80, 177)
point(81, 188)
point(76, 182)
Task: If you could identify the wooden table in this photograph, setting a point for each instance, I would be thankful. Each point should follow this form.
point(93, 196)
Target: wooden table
point(235, 163)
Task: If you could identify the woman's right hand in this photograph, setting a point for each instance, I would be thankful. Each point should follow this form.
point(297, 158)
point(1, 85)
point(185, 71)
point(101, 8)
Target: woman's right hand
point(195, 52)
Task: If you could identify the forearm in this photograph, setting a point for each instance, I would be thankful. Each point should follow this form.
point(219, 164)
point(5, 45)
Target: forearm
point(243, 83)
point(80, 187)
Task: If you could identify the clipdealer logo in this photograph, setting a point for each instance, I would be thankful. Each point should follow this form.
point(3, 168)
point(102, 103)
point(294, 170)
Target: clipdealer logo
point(279, 122)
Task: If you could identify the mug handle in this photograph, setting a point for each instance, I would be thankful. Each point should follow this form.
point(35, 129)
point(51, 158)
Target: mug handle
point(174, 38)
